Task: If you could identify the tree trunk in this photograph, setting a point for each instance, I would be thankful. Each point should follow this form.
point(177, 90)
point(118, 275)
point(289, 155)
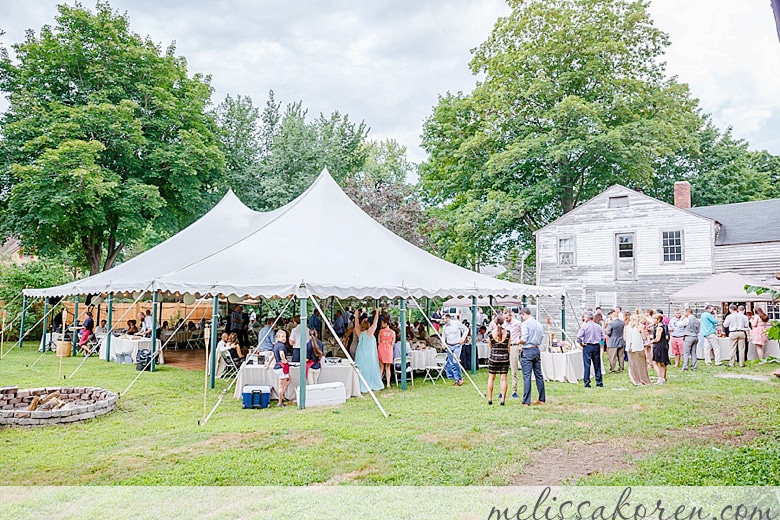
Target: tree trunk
point(94, 253)
point(113, 251)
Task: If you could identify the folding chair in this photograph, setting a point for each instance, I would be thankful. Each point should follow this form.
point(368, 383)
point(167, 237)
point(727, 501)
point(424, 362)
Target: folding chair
point(437, 368)
point(230, 366)
point(397, 369)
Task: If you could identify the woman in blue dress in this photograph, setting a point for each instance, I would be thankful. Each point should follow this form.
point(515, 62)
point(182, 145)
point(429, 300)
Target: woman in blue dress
point(366, 354)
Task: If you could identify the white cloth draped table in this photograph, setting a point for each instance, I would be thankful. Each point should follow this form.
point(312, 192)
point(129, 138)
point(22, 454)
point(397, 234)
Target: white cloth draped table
point(565, 367)
point(330, 373)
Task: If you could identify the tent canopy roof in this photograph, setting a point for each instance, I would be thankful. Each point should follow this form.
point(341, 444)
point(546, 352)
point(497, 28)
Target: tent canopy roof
point(725, 287)
point(320, 244)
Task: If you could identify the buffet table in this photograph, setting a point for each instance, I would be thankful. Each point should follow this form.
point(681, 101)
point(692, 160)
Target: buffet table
point(123, 346)
point(330, 373)
point(565, 367)
point(770, 349)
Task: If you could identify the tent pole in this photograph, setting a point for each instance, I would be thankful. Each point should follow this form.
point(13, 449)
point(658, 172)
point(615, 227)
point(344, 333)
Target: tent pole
point(21, 325)
point(110, 325)
point(154, 329)
point(428, 313)
point(354, 365)
point(213, 338)
point(75, 324)
point(403, 344)
point(302, 340)
point(563, 318)
point(45, 314)
point(473, 334)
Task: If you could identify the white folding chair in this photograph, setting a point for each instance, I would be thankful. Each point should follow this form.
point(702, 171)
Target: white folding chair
point(230, 365)
point(436, 370)
point(397, 369)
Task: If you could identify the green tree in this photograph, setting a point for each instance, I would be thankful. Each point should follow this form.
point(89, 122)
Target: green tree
point(104, 133)
point(14, 278)
point(382, 191)
point(274, 155)
point(720, 168)
point(573, 100)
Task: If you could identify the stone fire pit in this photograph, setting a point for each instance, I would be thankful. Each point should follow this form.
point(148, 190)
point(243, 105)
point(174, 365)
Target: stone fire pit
point(54, 405)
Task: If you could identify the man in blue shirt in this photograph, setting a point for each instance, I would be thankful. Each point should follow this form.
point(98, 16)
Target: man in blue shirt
point(590, 337)
point(265, 337)
point(709, 330)
point(315, 322)
point(338, 324)
point(530, 356)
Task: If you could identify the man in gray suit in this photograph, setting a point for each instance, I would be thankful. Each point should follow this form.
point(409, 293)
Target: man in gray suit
point(616, 345)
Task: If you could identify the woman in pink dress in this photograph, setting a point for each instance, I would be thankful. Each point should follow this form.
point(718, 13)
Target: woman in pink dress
point(758, 334)
point(385, 349)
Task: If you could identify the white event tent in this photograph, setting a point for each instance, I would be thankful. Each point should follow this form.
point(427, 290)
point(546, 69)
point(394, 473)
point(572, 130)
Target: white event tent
point(724, 287)
point(319, 245)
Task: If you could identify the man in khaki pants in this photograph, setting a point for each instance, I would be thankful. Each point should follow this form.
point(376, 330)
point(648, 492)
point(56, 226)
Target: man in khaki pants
point(738, 326)
point(515, 329)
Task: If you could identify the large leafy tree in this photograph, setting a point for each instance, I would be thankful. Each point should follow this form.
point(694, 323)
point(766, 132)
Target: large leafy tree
point(273, 155)
point(574, 99)
point(105, 131)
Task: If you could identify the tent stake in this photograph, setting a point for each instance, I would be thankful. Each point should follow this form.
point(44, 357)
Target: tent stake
point(403, 343)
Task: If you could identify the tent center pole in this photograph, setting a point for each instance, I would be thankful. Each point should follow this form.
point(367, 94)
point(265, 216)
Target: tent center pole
point(213, 341)
point(154, 329)
point(473, 334)
point(302, 339)
point(110, 325)
point(403, 343)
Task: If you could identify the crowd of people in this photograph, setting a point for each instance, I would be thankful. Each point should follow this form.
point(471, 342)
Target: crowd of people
point(648, 339)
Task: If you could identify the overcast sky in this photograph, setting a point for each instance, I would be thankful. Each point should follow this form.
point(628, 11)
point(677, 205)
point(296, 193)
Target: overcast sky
point(386, 61)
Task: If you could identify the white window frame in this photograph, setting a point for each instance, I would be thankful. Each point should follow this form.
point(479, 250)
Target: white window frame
point(573, 251)
point(682, 246)
point(606, 300)
point(773, 311)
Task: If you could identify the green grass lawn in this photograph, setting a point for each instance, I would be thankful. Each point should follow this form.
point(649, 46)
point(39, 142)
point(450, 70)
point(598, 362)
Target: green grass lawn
point(436, 435)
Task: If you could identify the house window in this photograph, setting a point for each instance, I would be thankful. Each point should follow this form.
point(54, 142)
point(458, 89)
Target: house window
point(566, 251)
point(671, 241)
point(625, 259)
point(606, 300)
point(618, 202)
point(773, 311)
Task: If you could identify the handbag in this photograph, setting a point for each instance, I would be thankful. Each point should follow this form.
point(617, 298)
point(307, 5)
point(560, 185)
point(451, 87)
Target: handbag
point(286, 369)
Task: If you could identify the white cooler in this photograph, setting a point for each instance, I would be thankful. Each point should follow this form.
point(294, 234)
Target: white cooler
point(325, 394)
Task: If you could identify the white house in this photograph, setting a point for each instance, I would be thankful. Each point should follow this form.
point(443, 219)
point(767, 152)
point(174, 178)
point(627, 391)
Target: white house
point(625, 248)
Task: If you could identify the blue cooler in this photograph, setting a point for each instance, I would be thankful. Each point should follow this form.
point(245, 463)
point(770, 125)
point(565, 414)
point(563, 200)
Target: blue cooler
point(256, 396)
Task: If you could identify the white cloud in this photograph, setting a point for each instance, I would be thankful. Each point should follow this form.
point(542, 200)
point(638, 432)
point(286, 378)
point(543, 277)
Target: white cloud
point(386, 61)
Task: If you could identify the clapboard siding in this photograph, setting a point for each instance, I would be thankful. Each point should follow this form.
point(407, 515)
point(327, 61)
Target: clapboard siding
point(593, 227)
point(759, 261)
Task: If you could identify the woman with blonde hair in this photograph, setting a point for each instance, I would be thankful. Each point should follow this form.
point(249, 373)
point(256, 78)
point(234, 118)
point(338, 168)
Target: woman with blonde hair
point(498, 360)
point(635, 347)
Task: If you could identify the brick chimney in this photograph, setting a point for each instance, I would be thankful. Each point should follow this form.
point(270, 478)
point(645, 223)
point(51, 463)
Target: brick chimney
point(682, 194)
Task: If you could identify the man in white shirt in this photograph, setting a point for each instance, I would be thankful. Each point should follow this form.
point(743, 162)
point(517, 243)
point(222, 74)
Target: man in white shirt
point(453, 334)
point(101, 329)
point(481, 318)
point(515, 328)
point(294, 339)
point(738, 326)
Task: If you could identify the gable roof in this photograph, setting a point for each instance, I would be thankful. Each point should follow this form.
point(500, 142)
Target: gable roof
point(321, 243)
point(744, 222)
point(615, 189)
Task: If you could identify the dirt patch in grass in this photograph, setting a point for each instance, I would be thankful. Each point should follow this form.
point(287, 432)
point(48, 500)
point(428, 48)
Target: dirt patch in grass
point(454, 440)
point(566, 464)
point(336, 480)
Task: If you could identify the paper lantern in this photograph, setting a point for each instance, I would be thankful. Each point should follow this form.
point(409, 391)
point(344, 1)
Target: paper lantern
point(189, 299)
point(234, 298)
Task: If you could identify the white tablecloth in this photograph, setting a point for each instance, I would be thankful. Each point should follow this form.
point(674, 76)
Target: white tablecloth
point(130, 346)
point(483, 350)
point(331, 373)
point(421, 359)
point(771, 349)
point(565, 367)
